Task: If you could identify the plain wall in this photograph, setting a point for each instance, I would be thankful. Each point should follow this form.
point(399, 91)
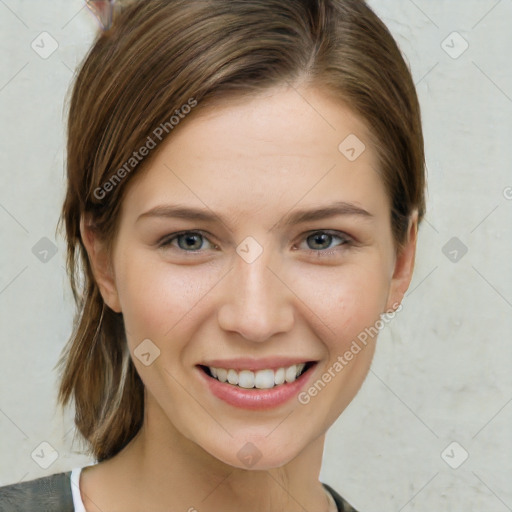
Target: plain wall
point(441, 372)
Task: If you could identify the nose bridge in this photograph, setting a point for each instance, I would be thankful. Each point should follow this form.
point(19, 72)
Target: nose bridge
point(256, 302)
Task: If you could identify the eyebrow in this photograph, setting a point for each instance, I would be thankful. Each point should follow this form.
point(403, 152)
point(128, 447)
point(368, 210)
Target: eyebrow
point(295, 217)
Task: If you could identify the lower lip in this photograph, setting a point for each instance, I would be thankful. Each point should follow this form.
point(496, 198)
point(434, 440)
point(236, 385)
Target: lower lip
point(256, 399)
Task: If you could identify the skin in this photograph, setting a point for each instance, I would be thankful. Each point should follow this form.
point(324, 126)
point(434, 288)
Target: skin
point(251, 162)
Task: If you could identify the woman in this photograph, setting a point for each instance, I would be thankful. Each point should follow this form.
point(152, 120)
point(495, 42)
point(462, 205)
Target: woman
point(245, 184)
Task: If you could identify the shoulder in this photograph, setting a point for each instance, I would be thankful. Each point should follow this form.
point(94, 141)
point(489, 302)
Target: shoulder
point(343, 506)
point(49, 493)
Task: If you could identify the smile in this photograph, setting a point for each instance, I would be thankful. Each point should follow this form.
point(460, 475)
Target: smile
point(256, 390)
point(261, 379)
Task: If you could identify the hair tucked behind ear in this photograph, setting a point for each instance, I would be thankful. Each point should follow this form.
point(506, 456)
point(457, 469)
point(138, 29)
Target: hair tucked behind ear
point(156, 57)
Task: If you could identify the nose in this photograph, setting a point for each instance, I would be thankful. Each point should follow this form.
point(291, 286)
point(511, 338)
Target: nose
point(256, 301)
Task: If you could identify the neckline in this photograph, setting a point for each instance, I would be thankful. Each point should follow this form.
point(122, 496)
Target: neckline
point(333, 505)
point(75, 487)
point(80, 507)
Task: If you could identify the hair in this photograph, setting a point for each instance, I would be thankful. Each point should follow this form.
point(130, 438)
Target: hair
point(161, 55)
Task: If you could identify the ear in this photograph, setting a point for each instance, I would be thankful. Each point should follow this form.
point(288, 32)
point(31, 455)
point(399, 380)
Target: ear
point(102, 9)
point(404, 266)
point(101, 265)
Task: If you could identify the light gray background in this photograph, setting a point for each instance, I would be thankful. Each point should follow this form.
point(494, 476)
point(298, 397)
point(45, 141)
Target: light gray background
point(441, 373)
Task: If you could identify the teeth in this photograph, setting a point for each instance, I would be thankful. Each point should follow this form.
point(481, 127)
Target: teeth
point(262, 379)
point(279, 376)
point(232, 377)
point(246, 379)
point(222, 374)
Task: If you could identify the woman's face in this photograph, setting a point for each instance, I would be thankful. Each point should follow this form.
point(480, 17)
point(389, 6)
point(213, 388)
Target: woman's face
point(251, 279)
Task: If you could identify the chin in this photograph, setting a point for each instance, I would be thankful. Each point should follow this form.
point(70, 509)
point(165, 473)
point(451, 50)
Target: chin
point(256, 452)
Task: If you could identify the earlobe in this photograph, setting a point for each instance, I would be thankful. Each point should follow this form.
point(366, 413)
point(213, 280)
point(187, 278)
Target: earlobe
point(101, 265)
point(404, 266)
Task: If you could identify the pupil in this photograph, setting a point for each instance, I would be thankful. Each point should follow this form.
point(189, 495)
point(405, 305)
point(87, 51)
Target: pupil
point(190, 239)
point(320, 237)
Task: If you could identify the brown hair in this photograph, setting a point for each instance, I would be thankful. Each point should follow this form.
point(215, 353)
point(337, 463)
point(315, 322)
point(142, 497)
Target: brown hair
point(157, 57)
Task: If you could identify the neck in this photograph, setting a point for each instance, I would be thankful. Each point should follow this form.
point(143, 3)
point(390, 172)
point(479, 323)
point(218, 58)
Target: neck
point(166, 467)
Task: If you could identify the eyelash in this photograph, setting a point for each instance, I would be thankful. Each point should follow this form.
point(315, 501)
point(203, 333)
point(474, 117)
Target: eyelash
point(346, 242)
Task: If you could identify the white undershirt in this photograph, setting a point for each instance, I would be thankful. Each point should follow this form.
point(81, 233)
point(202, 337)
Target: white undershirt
point(75, 488)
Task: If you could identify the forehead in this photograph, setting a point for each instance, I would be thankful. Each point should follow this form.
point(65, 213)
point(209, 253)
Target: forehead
point(265, 154)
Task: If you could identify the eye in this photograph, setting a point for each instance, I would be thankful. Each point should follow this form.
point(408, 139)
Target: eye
point(193, 242)
point(187, 241)
point(322, 240)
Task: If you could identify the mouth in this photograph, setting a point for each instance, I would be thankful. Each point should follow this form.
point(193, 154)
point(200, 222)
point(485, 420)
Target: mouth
point(267, 378)
point(260, 390)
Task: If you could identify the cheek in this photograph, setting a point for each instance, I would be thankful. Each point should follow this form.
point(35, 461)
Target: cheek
point(157, 297)
point(347, 298)
point(349, 301)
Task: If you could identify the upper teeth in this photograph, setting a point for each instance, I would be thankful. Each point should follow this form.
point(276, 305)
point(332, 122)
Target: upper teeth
point(262, 379)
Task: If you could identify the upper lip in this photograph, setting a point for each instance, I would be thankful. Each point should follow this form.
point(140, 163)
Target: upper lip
point(247, 363)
